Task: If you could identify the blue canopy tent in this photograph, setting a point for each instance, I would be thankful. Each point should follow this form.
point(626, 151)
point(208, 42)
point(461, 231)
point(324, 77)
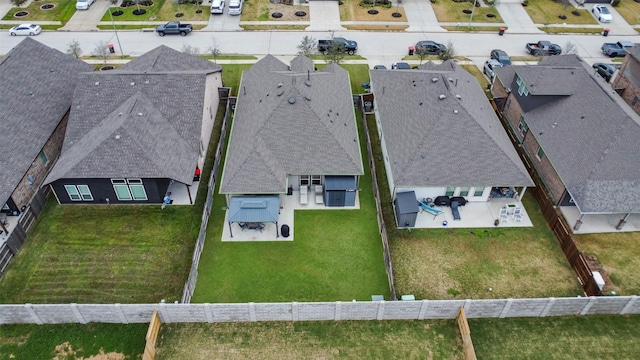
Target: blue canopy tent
point(254, 209)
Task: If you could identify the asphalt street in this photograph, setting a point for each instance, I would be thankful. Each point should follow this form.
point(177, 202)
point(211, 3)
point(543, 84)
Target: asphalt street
point(377, 47)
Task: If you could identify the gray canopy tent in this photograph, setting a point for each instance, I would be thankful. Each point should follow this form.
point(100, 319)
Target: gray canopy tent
point(254, 209)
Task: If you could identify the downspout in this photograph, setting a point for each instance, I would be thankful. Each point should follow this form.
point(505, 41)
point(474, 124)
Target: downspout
point(622, 222)
point(576, 227)
point(189, 193)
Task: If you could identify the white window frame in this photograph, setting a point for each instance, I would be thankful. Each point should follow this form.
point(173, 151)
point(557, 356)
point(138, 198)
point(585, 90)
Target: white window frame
point(85, 192)
point(305, 180)
point(523, 128)
point(316, 179)
point(137, 184)
point(522, 87)
point(464, 191)
point(43, 156)
point(478, 189)
point(79, 192)
point(450, 191)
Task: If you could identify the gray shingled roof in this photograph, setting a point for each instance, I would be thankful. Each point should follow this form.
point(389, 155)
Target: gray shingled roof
point(455, 141)
point(272, 138)
point(163, 59)
point(146, 124)
point(37, 87)
point(544, 80)
point(591, 138)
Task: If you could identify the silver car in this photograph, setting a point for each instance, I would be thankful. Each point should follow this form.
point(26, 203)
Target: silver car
point(489, 68)
point(25, 29)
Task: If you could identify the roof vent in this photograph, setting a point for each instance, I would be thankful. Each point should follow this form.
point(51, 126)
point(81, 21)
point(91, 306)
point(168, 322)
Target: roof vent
point(455, 111)
point(280, 92)
point(307, 97)
point(139, 114)
point(308, 83)
point(442, 96)
point(31, 93)
point(280, 85)
point(421, 103)
point(434, 79)
point(120, 114)
point(292, 100)
point(132, 83)
point(118, 137)
point(458, 96)
point(97, 83)
point(450, 79)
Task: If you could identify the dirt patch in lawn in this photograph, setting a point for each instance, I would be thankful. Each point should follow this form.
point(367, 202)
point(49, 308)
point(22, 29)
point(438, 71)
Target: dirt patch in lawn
point(65, 351)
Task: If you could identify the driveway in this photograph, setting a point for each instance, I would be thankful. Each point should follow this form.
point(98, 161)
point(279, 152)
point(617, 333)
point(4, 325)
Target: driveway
point(618, 26)
point(86, 20)
point(223, 22)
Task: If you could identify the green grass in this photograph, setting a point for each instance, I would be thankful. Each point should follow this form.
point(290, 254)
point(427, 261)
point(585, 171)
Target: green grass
point(336, 255)
point(436, 339)
point(231, 76)
point(618, 255)
point(72, 341)
point(449, 11)
point(547, 12)
point(161, 10)
point(630, 11)
point(62, 11)
point(588, 337)
point(465, 263)
point(567, 30)
point(472, 28)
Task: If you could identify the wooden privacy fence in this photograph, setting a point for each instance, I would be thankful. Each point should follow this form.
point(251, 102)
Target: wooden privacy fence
point(467, 344)
point(190, 285)
point(152, 337)
point(553, 217)
point(376, 194)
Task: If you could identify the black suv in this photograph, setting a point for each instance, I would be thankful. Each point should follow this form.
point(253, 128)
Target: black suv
point(430, 47)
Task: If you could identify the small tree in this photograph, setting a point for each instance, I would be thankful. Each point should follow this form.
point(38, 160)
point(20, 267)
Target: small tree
point(102, 51)
point(570, 48)
point(335, 52)
point(214, 50)
point(307, 46)
point(18, 3)
point(422, 53)
point(448, 53)
point(74, 49)
point(191, 50)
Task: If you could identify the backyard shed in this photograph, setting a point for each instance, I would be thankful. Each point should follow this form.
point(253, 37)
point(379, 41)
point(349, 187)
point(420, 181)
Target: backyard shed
point(340, 190)
point(254, 209)
point(406, 207)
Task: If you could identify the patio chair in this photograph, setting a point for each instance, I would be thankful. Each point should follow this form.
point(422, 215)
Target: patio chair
point(304, 196)
point(3, 219)
point(319, 195)
point(455, 211)
point(504, 216)
point(517, 214)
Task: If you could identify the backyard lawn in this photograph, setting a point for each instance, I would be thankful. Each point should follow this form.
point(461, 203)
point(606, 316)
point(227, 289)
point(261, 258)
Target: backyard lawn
point(73, 341)
point(62, 11)
point(336, 255)
point(476, 263)
point(435, 339)
point(547, 12)
point(572, 337)
point(617, 253)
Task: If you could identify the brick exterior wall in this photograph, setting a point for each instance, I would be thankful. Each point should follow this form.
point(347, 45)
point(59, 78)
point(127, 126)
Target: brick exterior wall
point(24, 191)
point(624, 81)
point(556, 188)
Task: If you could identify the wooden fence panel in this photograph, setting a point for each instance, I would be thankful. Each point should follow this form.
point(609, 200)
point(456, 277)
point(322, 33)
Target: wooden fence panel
point(152, 337)
point(467, 344)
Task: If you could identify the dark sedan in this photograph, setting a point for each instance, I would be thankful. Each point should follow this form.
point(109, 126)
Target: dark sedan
point(501, 56)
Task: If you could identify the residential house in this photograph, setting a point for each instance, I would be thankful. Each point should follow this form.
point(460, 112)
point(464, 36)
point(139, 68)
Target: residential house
point(139, 134)
point(627, 81)
point(38, 84)
point(294, 130)
point(441, 137)
point(580, 136)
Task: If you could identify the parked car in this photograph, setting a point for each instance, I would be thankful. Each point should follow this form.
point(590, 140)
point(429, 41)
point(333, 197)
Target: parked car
point(348, 46)
point(602, 13)
point(235, 7)
point(83, 4)
point(217, 6)
point(605, 70)
point(430, 47)
point(174, 28)
point(25, 29)
point(489, 68)
point(379, 67)
point(501, 56)
point(400, 66)
point(543, 48)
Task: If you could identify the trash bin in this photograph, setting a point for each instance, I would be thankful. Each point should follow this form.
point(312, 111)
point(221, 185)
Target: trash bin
point(411, 48)
point(284, 231)
point(111, 49)
point(368, 106)
point(605, 32)
point(502, 30)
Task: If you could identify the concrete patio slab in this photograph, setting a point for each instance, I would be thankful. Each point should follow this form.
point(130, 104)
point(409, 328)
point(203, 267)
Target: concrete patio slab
point(474, 215)
point(592, 224)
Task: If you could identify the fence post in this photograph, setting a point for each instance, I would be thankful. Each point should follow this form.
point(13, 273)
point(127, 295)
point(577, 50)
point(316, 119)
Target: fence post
point(548, 307)
point(76, 313)
point(506, 308)
point(207, 312)
point(630, 303)
point(380, 314)
point(252, 311)
point(36, 318)
point(423, 309)
point(294, 311)
point(121, 314)
point(162, 309)
point(338, 311)
point(588, 305)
